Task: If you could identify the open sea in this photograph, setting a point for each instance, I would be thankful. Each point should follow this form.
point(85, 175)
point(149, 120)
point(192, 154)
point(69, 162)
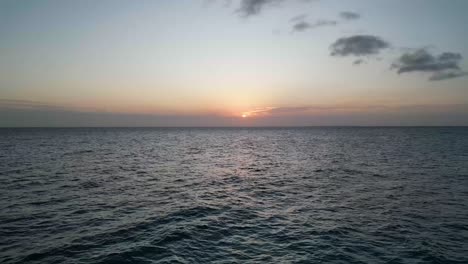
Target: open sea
point(234, 195)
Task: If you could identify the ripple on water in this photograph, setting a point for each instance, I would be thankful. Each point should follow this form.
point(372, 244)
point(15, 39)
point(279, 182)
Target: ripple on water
point(298, 195)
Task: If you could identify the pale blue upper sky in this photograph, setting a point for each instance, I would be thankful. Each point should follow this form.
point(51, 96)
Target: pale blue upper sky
point(207, 58)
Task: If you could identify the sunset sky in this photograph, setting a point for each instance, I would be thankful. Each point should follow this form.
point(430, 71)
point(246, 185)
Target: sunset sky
point(233, 63)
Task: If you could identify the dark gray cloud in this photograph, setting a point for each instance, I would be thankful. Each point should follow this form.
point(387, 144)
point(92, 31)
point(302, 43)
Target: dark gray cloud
point(350, 15)
point(324, 22)
point(450, 56)
point(297, 18)
point(439, 76)
point(443, 66)
point(303, 25)
point(249, 8)
point(300, 23)
point(254, 7)
point(358, 62)
point(420, 60)
point(358, 45)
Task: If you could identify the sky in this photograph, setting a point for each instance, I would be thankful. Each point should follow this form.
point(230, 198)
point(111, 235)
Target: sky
point(233, 63)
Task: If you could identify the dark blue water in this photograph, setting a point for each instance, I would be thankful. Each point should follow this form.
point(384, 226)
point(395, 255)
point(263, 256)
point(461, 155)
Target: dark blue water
point(298, 195)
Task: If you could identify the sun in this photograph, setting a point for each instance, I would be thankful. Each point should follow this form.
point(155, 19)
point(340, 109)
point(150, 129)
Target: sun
point(244, 116)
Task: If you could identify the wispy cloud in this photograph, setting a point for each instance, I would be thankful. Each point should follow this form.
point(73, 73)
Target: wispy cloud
point(357, 109)
point(26, 104)
point(440, 76)
point(24, 113)
point(347, 15)
point(304, 25)
point(294, 110)
point(297, 18)
point(33, 114)
point(358, 62)
point(301, 23)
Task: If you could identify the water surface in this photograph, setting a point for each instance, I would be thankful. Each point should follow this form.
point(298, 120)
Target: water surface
point(271, 195)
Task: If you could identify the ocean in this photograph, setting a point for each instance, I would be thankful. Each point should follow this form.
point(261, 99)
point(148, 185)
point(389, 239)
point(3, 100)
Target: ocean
point(234, 195)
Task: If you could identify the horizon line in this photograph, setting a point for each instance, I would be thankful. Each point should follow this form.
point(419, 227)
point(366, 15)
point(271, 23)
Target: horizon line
point(311, 126)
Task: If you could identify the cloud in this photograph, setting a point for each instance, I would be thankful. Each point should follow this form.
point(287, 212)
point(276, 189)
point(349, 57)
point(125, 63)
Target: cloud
point(26, 104)
point(439, 76)
point(422, 60)
point(24, 113)
point(358, 45)
point(301, 17)
point(32, 114)
point(254, 7)
point(300, 23)
point(443, 66)
point(303, 25)
point(358, 62)
point(346, 15)
point(293, 110)
point(249, 8)
point(383, 113)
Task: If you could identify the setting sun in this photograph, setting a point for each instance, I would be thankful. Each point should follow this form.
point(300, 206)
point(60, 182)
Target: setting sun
point(244, 116)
